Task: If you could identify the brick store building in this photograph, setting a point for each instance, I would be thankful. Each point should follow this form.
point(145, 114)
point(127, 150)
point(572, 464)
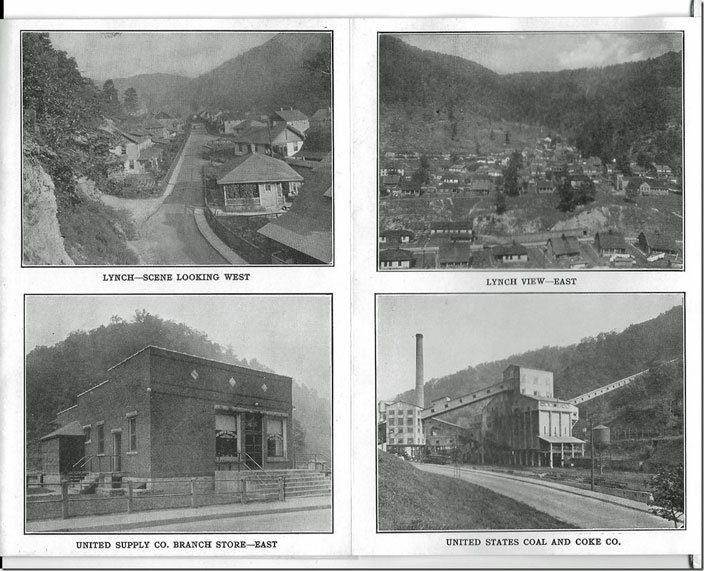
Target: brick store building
point(161, 414)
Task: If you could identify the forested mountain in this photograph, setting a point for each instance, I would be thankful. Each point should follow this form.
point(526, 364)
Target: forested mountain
point(56, 374)
point(593, 362)
point(289, 70)
point(608, 112)
point(155, 91)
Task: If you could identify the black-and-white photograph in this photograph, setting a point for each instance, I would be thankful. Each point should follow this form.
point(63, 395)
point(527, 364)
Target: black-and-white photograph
point(495, 412)
point(178, 413)
point(529, 150)
point(177, 148)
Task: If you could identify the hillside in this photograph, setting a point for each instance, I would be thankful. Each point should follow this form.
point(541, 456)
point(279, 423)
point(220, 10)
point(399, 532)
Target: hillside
point(56, 374)
point(608, 112)
point(594, 362)
point(411, 499)
point(155, 90)
point(289, 70)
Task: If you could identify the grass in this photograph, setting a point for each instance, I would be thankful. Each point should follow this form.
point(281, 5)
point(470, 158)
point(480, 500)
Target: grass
point(97, 234)
point(410, 499)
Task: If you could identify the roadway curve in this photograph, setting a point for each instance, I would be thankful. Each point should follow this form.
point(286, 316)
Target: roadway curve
point(169, 235)
point(581, 508)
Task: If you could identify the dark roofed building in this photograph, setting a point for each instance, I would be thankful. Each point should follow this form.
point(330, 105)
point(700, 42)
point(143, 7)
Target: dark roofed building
point(395, 238)
point(454, 255)
point(656, 243)
point(257, 183)
point(305, 231)
point(396, 259)
point(563, 247)
point(610, 243)
point(510, 253)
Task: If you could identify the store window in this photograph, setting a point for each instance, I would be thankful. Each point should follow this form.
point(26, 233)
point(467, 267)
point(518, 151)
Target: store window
point(275, 438)
point(225, 435)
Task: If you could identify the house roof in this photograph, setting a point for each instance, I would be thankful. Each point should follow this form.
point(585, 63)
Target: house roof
point(451, 225)
point(561, 439)
point(291, 115)
point(480, 184)
point(254, 168)
point(611, 240)
point(265, 135)
point(513, 249)
point(317, 140)
point(564, 245)
point(71, 429)
point(396, 233)
point(149, 153)
point(307, 227)
point(651, 182)
point(657, 241)
point(454, 253)
point(397, 255)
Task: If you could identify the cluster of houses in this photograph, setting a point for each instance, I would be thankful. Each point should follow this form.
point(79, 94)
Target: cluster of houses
point(543, 169)
point(277, 166)
point(453, 245)
point(137, 148)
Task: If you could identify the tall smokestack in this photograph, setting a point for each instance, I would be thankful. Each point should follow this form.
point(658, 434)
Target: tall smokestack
point(420, 393)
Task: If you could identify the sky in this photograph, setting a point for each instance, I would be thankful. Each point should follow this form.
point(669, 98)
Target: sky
point(289, 334)
point(110, 55)
point(463, 330)
point(516, 52)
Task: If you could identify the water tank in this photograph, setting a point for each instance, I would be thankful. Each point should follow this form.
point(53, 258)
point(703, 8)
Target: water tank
point(602, 436)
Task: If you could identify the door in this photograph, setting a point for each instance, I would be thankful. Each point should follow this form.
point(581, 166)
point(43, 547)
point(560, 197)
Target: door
point(253, 438)
point(267, 195)
point(117, 451)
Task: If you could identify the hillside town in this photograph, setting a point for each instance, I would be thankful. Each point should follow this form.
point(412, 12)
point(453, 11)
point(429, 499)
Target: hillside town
point(445, 211)
point(268, 183)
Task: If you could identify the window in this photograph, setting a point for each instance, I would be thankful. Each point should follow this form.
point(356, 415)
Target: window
point(392, 412)
point(392, 421)
point(86, 433)
point(132, 434)
point(275, 438)
point(101, 439)
point(225, 435)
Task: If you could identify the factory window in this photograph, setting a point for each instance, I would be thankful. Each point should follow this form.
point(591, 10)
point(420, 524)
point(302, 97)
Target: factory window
point(392, 421)
point(225, 435)
point(409, 440)
point(409, 421)
point(392, 412)
point(391, 440)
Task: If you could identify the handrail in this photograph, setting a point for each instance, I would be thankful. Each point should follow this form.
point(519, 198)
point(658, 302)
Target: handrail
point(81, 461)
point(262, 470)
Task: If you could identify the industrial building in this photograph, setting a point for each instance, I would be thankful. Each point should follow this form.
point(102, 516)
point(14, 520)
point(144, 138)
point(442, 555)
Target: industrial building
point(515, 421)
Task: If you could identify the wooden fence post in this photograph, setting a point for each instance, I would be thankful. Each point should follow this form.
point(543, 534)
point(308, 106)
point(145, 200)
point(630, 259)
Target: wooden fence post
point(243, 490)
point(193, 492)
point(64, 499)
point(129, 497)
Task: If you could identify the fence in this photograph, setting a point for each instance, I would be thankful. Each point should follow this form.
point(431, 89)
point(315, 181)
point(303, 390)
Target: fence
point(317, 462)
point(81, 498)
point(251, 253)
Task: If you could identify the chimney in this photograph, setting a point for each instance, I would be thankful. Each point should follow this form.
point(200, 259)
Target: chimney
point(420, 396)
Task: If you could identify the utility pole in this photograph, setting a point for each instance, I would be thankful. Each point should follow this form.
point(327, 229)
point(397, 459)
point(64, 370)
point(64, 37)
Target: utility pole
point(591, 446)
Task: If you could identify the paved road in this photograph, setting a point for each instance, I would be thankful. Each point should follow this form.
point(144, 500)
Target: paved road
point(574, 506)
point(170, 236)
point(314, 520)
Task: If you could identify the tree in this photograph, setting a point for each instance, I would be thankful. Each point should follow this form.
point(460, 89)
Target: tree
point(668, 493)
point(507, 139)
point(110, 91)
point(500, 202)
point(511, 174)
point(299, 437)
point(131, 101)
point(566, 193)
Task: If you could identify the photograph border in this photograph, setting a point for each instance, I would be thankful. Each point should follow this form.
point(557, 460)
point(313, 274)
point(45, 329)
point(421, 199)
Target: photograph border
point(182, 31)
point(379, 531)
point(328, 295)
point(523, 32)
